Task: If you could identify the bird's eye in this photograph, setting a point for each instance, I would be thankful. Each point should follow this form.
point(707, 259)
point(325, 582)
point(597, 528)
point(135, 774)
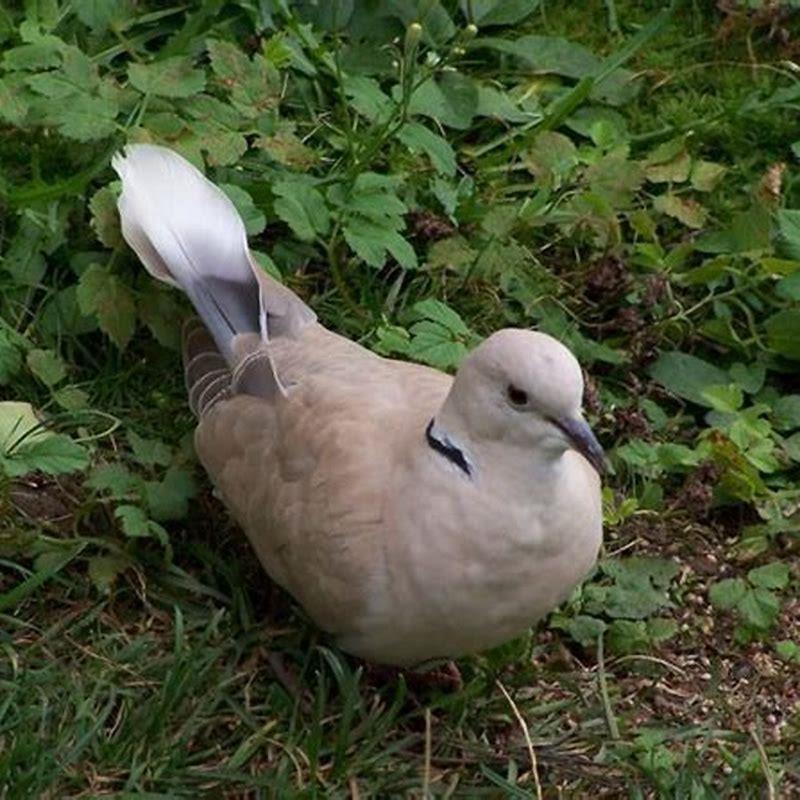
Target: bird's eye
point(517, 397)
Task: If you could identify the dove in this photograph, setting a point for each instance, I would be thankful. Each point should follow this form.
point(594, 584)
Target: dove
point(414, 515)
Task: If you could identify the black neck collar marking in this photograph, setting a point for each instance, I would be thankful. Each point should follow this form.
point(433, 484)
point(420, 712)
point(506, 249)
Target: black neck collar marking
point(446, 448)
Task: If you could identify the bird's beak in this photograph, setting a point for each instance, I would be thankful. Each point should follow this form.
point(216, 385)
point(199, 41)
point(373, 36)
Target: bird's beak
point(577, 430)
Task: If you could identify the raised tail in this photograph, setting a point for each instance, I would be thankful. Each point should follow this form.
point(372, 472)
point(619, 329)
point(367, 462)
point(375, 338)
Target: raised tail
point(188, 233)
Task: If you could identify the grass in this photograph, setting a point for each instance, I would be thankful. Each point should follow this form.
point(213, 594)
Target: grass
point(187, 673)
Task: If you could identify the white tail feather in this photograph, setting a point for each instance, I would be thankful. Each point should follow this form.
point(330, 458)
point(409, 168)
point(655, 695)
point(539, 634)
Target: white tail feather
point(188, 233)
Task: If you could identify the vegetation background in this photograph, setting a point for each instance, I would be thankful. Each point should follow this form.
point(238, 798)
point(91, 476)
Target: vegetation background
point(623, 175)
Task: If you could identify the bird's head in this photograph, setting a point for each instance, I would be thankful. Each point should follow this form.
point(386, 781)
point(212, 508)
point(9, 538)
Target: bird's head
point(524, 388)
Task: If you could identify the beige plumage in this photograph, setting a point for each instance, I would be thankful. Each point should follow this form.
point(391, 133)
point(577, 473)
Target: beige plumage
point(411, 514)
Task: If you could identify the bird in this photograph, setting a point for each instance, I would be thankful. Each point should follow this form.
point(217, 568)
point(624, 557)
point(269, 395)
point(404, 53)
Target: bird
point(413, 514)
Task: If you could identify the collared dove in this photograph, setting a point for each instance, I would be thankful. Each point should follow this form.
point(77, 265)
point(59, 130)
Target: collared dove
point(413, 515)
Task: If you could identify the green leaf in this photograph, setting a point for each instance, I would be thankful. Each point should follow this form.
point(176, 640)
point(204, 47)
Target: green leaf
point(105, 217)
point(149, 452)
point(674, 171)
point(585, 629)
point(452, 100)
point(254, 84)
point(418, 138)
point(169, 498)
point(770, 576)
point(749, 377)
point(53, 455)
point(789, 232)
point(551, 158)
point(13, 107)
point(372, 241)
point(114, 479)
point(10, 358)
point(366, 96)
point(783, 333)
point(301, 206)
point(161, 311)
point(86, 119)
point(136, 525)
point(100, 292)
point(287, 149)
point(687, 376)
point(172, 77)
point(47, 366)
point(727, 593)
point(787, 412)
point(254, 220)
point(788, 650)
point(706, 175)
point(627, 636)
point(498, 12)
point(686, 210)
point(442, 314)
point(97, 14)
point(104, 571)
point(640, 586)
point(18, 422)
point(759, 608)
point(726, 399)
point(789, 287)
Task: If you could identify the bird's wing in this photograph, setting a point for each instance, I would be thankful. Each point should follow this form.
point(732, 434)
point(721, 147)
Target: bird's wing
point(307, 474)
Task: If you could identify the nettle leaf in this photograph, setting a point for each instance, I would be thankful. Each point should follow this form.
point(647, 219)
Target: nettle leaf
point(674, 171)
point(770, 576)
point(789, 232)
point(640, 586)
point(169, 499)
point(418, 138)
point(78, 75)
point(302, 207)
point(97, 14)
point(13, 107)
point(759, 608)
point(685, 210)
point(43, 54)
point(161, 311)
point(584, 629)
point(254, 219)
point(136, 525)
point(47, 366)
point(101, 293)
point(787, 649)
point(497, 104)
point(104, 570)
point(551, 158)
point(439, 337)
point(783, 333)
point(787, 412)
point(149, 452)
point(54, 454)
point(172, 77)
point(254, 83)
point(372, 218)
point(10, 358)
point(115, 480)
point(366, 96)
point(451, 99)
point(86, 118)
point(727, 593)
point(105, 217)
point(287, 149)
point(706, 175)
point(498, 12)
point(687, 376)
